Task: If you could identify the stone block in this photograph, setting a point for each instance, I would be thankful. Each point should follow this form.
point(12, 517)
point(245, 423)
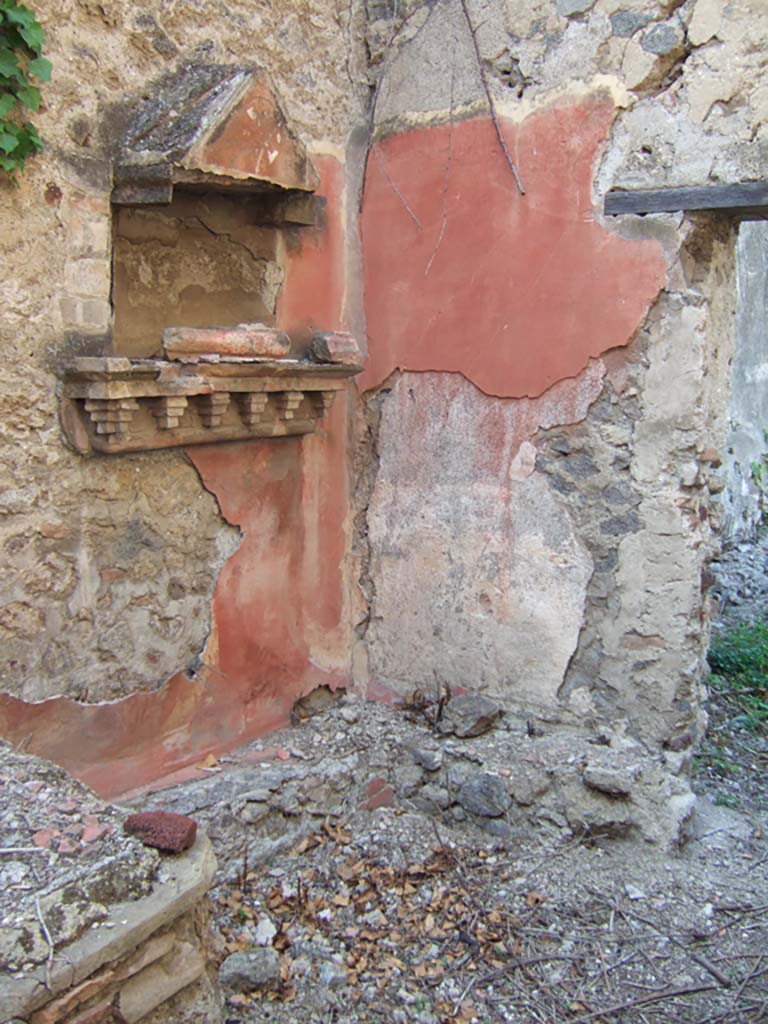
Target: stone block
point(626, 23)
point(70, 309)
point(335, 347)
point(705, 23)
point(614, 782)
point(251, 970)
point(255, 341)
point(88, 235)
point(158, 982)
point(429, 760)
point(662, 39)
point(94, 315)
point(162, 830)
point(90, 277)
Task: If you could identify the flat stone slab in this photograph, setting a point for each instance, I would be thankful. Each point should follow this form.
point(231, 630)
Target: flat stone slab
point(64, 860)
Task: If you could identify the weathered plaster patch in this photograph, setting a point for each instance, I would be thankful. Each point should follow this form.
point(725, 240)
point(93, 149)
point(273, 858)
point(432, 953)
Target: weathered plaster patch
point(463, 274)
point(480, 576)
point(278, 628)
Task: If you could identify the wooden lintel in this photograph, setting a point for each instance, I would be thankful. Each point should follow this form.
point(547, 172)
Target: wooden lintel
point(748, 200)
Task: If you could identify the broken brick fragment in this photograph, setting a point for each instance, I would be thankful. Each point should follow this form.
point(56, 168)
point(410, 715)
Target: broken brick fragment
point(335, 347)
point(252, 341)
point(44, 837)
point(378, 793)
point(93, 829)
point(163, 830)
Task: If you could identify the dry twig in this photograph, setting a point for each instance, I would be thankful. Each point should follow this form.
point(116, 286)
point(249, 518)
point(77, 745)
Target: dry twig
point(489, 97)
point(49, 940)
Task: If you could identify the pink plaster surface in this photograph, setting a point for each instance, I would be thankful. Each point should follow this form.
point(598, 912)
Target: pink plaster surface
point(312, 296)
point(463, 274)
point(279, 626)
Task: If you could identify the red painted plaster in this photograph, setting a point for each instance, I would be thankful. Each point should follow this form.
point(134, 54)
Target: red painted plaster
point(313, 293)
point(278, 615)
point(515, 292)
point(255, 140)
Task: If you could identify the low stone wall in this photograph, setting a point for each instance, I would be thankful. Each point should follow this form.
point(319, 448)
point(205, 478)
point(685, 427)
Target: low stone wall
point(95, 927)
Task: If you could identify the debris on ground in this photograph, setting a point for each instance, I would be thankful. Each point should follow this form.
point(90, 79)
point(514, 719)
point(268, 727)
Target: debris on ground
point(385, 871)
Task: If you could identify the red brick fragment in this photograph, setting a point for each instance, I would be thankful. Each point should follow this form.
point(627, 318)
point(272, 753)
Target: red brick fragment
point(93, 829)
point(245, 340)
point(336, 347)
point(378, 793)
point(45, 836)
point(163, 830)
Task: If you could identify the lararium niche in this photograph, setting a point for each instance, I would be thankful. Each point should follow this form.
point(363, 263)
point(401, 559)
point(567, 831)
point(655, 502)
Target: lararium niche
point(207, 181)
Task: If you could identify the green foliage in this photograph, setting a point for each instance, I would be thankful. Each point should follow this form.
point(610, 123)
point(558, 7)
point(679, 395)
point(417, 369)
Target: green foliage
point(739, 660)
point(21, 63)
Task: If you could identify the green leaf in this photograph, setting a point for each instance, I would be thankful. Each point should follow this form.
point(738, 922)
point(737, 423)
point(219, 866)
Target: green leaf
point(7, 164)
point(8, 63)
point(34, 37)
point(8, 142)
point(20, 15)
point(30, 97)
point(41, 68)
point(34, 138)
point(7, 103)
point(30, 29)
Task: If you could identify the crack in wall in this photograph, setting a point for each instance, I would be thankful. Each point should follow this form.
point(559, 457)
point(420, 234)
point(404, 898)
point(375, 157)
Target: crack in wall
point(366, 469)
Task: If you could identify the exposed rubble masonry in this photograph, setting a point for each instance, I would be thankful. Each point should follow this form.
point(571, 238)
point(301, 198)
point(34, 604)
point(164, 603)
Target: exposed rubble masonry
point(479, 571)
point(465, 275)
point(278, 618)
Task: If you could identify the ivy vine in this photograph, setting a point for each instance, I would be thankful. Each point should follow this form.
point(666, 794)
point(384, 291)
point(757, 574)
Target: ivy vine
point(21, 63)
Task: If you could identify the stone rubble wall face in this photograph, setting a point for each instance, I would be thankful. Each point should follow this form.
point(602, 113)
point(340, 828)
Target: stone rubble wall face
point(631, 483)
point(110, 565)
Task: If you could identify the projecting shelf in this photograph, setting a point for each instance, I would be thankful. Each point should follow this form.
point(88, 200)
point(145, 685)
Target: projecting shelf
point(112, 404)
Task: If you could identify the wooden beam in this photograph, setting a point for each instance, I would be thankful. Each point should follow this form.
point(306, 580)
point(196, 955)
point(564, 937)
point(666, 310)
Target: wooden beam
point(748, 200)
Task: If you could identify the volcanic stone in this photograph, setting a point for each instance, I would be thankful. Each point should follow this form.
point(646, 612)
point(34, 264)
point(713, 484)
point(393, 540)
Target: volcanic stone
point(626, 23)
point(469, 714)
point(486, 795)
point(662, 39)
point(162, 830)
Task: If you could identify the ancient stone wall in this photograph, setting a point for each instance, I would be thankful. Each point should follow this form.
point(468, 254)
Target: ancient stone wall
point(120, 573)
point(547, 386)
point(543, 408)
